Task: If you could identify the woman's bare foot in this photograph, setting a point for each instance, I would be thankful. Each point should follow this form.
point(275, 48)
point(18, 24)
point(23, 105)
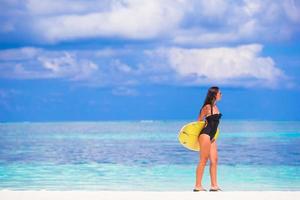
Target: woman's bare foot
point(214, 189)
point(198, 189)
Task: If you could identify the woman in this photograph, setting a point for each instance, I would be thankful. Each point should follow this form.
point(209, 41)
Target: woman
point(208, 145)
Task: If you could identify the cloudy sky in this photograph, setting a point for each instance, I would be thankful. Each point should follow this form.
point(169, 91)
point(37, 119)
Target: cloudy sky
point(73, 60)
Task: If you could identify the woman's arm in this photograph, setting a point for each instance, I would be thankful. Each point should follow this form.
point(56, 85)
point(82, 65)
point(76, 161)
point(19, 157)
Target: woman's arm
point(202, 114)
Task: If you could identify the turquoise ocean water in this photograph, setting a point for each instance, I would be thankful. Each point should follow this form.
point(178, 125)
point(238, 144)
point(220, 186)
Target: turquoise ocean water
point(145, 155)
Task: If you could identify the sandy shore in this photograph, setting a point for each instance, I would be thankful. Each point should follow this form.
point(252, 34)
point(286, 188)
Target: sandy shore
point(107, 195)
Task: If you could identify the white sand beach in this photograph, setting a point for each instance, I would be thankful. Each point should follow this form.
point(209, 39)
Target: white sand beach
point(138, 195)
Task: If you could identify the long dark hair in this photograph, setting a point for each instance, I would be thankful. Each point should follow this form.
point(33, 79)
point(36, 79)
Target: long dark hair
point(211, 97)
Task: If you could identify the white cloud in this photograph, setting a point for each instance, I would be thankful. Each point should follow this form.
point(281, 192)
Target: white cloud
point(23, 53)
point(292, 10)
point(239, 21)
point(67, 65)
point(212, 8)
point(124, 91)
point(196, 22)
point(64, 7)
point(130, 19)
point(35, 63)
point(242, 66)
point(121, 67)
point(99, 68)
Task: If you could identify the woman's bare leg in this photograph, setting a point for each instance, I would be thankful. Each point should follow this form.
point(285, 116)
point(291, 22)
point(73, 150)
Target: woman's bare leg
point(204, 141)
point(213, 157)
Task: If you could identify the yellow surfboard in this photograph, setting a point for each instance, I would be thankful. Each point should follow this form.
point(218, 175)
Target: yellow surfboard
point(188, 135)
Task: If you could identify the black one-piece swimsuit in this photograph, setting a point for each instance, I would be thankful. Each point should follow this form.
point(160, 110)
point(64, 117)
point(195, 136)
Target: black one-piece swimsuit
point(212, 122)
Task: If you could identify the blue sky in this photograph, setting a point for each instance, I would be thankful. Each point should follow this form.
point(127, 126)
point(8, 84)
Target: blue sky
point(63, 60)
